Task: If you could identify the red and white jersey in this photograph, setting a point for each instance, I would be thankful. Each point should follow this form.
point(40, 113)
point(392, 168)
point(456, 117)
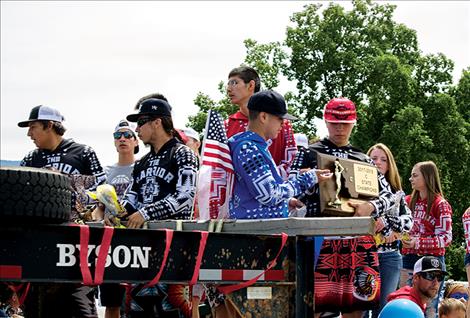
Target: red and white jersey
point(433, 230)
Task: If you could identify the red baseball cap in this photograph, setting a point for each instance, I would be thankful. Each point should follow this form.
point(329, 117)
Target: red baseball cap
point(340, 110)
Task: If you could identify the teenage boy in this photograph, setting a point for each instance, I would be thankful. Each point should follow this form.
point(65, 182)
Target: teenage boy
point(46, 130)
point(243, 82)
point(259, 190)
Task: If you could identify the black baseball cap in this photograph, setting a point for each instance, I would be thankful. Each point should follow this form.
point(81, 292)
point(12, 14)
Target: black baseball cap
point(42, 112)
point(429, 264)
point(151, 107)
point(270, 102)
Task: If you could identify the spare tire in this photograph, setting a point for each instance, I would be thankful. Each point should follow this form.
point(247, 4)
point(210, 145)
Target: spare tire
point(34, 195)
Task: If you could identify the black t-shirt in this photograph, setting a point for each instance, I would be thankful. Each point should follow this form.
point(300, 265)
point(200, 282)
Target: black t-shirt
point(164, 183)
point(307, 158)
point(68, 158)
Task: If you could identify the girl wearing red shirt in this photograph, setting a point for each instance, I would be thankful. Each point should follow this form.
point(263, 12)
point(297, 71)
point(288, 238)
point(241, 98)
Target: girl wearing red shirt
point(432, 223)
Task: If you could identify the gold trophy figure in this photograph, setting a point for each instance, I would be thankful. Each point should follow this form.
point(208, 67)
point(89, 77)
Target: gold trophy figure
point(338, 170)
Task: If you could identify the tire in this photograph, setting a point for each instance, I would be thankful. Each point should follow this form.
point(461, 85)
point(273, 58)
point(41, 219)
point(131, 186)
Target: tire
point(34, 195)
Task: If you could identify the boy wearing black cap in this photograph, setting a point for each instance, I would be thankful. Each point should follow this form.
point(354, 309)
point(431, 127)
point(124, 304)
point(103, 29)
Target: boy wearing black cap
point(46, 130)
point(163, 183)
point(259, 191)
point(164, 180)
point(428, 273)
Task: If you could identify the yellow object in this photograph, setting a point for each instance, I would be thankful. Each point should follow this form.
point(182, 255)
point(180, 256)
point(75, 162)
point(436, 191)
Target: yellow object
point(106, 194)
point(380, 239)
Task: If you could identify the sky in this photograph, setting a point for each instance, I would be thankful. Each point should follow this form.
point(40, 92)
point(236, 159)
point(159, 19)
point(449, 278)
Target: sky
point(94, 60)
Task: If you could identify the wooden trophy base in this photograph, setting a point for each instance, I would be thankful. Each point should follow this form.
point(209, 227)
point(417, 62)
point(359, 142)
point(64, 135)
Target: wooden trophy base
point(341, 210)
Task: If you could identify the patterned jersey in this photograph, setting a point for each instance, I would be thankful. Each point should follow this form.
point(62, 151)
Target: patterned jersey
point(282, 149)
point(69, 158)
point(307, 158)
point(259, 191)
point(164, 183)
point(398, 219)
point(433, 230)
point(466, 228)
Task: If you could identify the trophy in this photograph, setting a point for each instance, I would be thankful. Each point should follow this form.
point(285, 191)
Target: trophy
point(353, 181)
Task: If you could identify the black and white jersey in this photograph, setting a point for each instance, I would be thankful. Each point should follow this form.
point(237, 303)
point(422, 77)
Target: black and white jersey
point(164, 183)
point(307, 158)
point(68, 158)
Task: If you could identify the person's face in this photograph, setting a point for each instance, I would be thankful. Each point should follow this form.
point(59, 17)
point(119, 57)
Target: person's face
point(428, 287)
point(417, 179)
point(125, 141)
point(145, 129)
point(39, 135)
point(238, 91)
point(339, 133)
point(193, 144)
point(380, 159)
point(273, 126)
point(459, 293)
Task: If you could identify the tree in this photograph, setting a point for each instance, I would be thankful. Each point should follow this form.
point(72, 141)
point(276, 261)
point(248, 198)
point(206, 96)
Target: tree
point(205, 103)
point(265, 58)
point(404, 99)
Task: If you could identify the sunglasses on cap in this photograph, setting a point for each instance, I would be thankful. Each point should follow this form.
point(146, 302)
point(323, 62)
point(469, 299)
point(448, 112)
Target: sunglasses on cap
point(127, 134)
point(143, 120)
point(432, 275)
point(459, 295)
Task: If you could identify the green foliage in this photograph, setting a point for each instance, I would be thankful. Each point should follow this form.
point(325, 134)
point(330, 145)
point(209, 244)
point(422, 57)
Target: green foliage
point(462, 95)
point(404, 99)
point(205, 103)
point(454, 262)
point(267, 60)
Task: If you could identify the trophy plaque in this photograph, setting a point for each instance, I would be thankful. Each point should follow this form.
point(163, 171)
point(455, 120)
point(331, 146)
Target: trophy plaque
point(353, 181)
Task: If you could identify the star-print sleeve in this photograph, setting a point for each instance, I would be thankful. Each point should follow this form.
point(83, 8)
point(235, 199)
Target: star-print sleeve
point(257, 174)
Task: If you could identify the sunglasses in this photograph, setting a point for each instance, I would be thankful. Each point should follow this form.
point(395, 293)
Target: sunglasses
point(127, 134)
point(432, 275)
point(459, 295)
point(142, 121)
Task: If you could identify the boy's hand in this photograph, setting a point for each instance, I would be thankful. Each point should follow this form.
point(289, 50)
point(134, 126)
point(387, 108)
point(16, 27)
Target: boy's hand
point(323, 174)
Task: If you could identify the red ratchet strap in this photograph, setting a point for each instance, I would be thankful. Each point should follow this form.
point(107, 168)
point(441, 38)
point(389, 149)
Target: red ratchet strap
point(101, 258)
point(104, 249)
point(168, 239)
point(21, 291)
point(231, 288)
point(200, 253)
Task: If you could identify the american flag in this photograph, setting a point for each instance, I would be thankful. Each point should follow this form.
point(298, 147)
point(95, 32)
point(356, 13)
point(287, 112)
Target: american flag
point(216, 173)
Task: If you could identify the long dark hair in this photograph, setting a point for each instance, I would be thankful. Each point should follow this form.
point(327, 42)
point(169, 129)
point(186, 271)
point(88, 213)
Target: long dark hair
point(433, 184)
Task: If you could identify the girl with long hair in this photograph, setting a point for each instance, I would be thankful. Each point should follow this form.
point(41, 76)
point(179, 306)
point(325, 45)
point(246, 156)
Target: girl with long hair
point(432, 223)
point(390, 225)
